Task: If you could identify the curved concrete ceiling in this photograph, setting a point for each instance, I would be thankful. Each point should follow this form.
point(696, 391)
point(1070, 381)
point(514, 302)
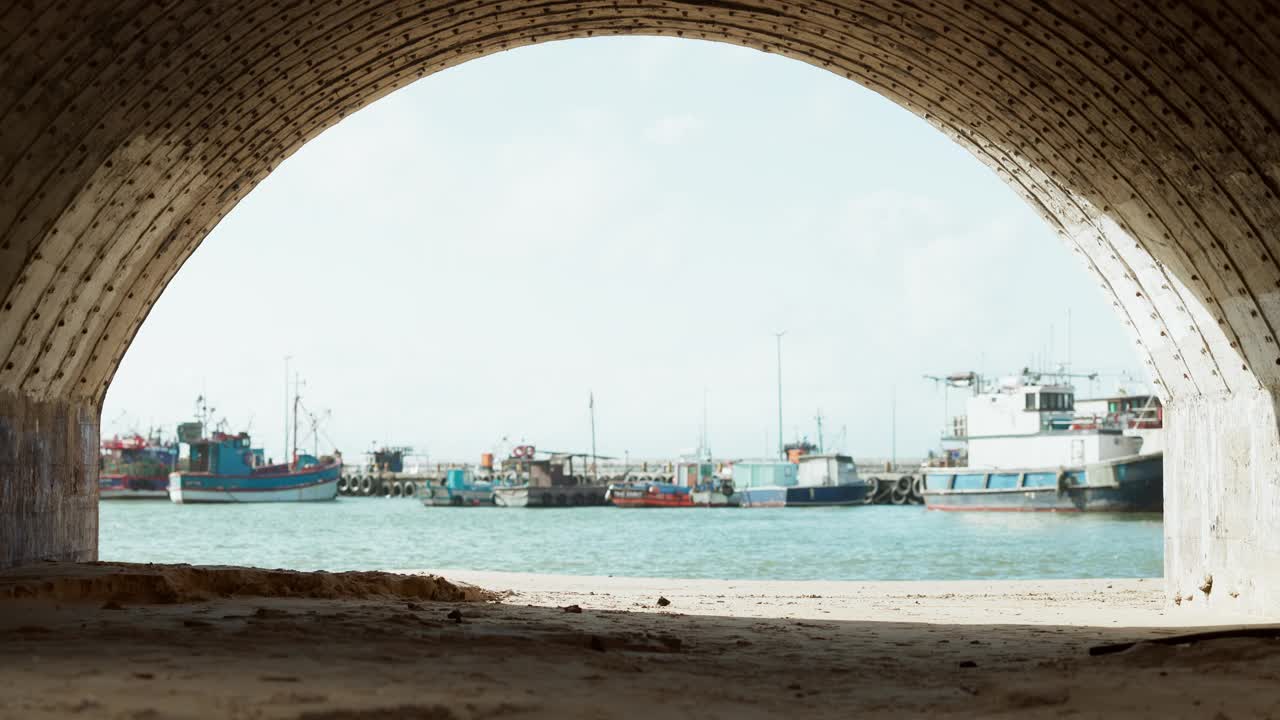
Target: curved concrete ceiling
point(1144, 134)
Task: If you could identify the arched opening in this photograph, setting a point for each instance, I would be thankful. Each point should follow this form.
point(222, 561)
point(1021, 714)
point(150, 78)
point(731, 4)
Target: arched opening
point(484, 270)
point(1149, 145)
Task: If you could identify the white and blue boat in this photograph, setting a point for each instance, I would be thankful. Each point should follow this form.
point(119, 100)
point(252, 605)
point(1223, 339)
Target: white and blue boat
point(1030, 449)
point(827, 480)
point(226, 469)
point(762, 483)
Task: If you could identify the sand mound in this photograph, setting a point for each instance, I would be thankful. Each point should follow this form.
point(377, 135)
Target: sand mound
point(127, 582)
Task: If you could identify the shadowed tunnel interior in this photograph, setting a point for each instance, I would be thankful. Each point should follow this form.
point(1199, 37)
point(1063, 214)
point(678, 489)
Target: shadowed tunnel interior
point(1144, 133)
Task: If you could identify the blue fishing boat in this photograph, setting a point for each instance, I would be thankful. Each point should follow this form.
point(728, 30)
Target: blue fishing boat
point(762, 483)
point(225, 468)
point(826, 480)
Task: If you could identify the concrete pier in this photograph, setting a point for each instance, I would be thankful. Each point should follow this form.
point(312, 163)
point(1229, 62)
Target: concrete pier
point(48, 481)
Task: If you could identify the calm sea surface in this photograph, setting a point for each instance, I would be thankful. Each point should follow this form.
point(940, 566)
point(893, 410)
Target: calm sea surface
point(864, 543)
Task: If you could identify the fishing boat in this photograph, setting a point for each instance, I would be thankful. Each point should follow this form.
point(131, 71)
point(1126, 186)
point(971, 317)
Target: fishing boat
point(762, 483)
point(225, 468)
point(692, 483)
point(514, 496)
point(649, 494)
point(715, 495)
point(1029, 450)
point(827, 480)
point(547, 483)
point(135, 468)
point(705, 488)
point(460, 489)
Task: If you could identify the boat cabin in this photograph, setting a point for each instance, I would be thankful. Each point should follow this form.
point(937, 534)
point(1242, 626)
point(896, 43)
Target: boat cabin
point(695, 474)
point(224, 454)
point(826, 470)
point(764, 473)
point(1134, 412)
point(1024, 425)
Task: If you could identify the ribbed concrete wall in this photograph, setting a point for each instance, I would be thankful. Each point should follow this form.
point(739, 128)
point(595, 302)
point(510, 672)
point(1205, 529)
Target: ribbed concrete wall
point(1144, 132)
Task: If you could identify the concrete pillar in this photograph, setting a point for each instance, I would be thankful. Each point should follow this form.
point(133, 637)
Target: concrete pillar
point(1222, 501)
point(48, 480)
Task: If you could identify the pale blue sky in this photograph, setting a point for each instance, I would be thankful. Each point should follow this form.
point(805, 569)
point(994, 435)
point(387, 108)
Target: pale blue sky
point(466, 259)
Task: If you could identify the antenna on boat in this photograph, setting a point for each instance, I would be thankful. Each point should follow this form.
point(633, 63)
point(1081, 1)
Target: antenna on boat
point(297, 396)
point(315, 429)
point(818, 418)
point(204, 415)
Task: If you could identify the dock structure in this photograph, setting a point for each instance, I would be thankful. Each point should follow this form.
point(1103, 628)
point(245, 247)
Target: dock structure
point(891, 484)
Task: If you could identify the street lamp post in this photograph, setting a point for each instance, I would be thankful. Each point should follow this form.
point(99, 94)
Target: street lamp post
point(287, 358)
point(778, 335)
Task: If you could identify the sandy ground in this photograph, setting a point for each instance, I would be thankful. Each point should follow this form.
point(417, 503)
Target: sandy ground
point(173, 642)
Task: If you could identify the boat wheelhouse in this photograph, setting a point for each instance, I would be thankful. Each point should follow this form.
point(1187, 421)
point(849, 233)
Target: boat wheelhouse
point(762, 483)
point(1140, 415)
point(827, 479)
point(705, 488)
point(226, 468)
point(460, 488)
point(1029, 449)
point(548, 483)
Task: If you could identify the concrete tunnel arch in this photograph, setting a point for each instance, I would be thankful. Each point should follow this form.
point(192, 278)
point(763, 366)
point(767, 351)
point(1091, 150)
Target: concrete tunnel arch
point(1144, 133)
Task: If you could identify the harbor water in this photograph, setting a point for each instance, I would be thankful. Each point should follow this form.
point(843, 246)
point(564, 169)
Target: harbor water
point(862, 543)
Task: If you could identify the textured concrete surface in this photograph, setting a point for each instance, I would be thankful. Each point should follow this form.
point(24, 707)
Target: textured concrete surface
point(48, 480)
point(1144, 133)
point(1222, 516)
point(93, 641)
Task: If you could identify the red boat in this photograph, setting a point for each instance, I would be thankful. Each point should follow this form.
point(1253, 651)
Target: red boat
point(650, 494)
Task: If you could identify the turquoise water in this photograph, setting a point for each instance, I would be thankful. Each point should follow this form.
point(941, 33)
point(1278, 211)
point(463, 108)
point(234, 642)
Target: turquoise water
point(863, 543)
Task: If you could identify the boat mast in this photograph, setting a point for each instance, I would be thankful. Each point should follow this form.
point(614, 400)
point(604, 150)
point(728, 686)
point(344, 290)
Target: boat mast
point(296, 397)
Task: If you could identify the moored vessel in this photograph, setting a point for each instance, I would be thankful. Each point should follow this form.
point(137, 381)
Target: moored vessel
point(135, 468)
point(762, 483)
point(546, 483)
point(827, 480)
point(650, 494)
point(460, 489)
point(1029, 450)
point(692, 483)
point(226, 469)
